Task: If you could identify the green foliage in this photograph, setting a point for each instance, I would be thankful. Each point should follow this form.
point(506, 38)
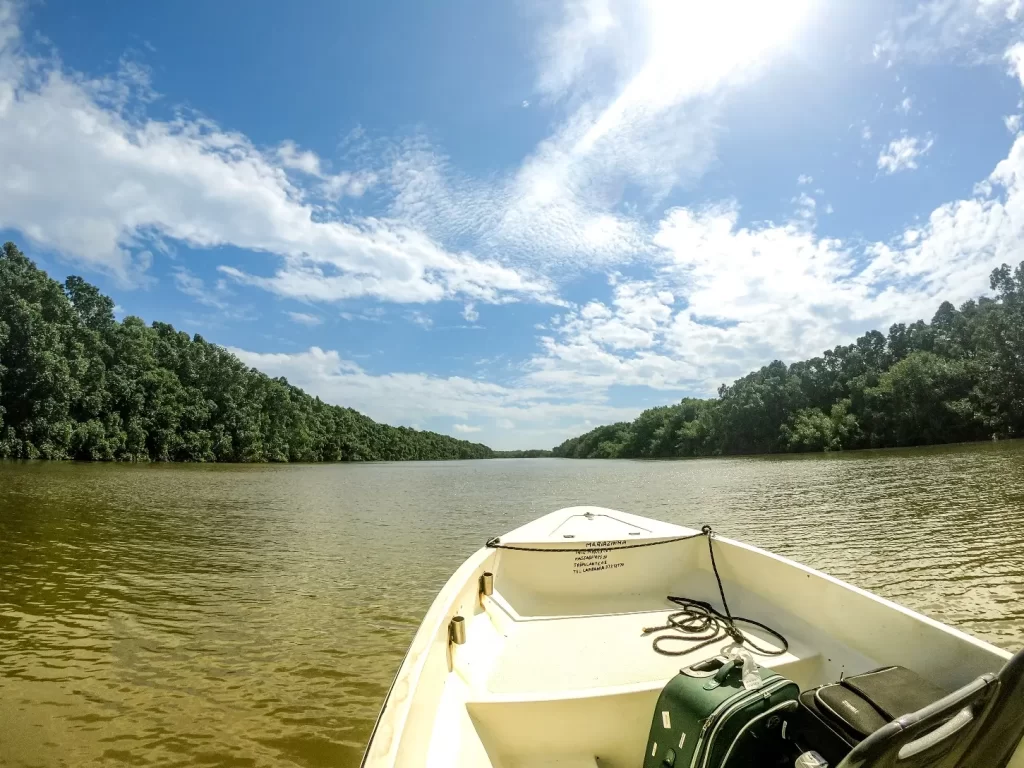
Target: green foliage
point(956, 379)
point(76, 384)
point(532, 453)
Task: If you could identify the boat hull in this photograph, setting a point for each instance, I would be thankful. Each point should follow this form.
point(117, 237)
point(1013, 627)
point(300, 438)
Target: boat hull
point(555, 670)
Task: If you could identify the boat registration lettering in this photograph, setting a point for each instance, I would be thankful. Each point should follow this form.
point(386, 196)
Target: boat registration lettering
point(594, 557)
point(593, 561)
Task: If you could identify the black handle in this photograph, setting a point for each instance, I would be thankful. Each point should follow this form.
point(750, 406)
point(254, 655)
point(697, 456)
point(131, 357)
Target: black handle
point(727, 668)
point(911, 740)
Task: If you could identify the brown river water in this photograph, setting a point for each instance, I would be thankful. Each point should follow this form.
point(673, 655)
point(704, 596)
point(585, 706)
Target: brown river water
point(255, 615)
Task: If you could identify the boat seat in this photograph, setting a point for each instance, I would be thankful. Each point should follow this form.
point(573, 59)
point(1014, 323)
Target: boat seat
point(1003, 729)
point(936, 736)
point(979, 724)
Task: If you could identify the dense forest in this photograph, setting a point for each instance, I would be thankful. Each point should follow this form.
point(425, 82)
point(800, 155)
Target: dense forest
point(76, 384)
point(956, 379)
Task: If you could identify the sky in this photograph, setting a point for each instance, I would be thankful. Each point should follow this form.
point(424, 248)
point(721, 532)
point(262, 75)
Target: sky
point(514, 221)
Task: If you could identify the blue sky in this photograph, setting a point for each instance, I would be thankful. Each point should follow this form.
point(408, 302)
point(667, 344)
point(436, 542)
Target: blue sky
point(514, 221)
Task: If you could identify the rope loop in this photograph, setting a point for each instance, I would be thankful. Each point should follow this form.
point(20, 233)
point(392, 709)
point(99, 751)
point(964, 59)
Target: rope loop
point(698, 618)
point(698, 621)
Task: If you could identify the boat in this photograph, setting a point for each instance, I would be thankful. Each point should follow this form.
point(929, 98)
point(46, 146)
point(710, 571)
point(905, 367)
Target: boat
point(551, 645)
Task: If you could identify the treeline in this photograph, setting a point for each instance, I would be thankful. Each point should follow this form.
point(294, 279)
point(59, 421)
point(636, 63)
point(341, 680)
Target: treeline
point(532, 453)
point(959, 378)
point(76, 384)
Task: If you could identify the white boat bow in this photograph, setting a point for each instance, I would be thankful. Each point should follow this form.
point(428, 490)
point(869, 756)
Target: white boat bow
point(555, 669)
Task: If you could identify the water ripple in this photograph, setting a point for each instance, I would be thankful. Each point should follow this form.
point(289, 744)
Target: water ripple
point(254, 616)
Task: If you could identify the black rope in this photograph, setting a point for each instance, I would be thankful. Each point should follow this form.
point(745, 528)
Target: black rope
point(699, 621)
point(495, 543)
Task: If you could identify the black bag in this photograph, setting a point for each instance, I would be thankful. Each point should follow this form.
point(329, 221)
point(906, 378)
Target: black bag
point(835, 718)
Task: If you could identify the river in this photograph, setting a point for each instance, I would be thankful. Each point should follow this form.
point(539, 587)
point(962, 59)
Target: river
point(255, 615)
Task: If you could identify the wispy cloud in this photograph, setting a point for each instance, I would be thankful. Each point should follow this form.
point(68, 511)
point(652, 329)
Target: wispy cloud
point(635, 93)
point(290, 156)
point(903, 153)
point(303, 318)
point(194, 286)
point(650, 123)
point(109, 182)
point(966, 29)
point(1015, 58)
point(540, 417)
point(421, 319)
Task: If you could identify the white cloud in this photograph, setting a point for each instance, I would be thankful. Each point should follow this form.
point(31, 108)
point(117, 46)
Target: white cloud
point(766, 291)
point(636, 90)
point(805, 206)
point(371, 315)
point(647, 121)
point(542, 418)
point(906, 105)
point(303, 318)
point(902, 154)
point(1015, 56)
point(597, 345)
point(350, 184)
point(945, 28)
point(804, 179)
point(529, 216)
point(421, 319)
point(725, 299)
point(965, 239)
point(466, 428)
point(331, 186)
point(194, 286)
point(567, 45)
point(86, 176)
point(1012, 123)
point(290, 156)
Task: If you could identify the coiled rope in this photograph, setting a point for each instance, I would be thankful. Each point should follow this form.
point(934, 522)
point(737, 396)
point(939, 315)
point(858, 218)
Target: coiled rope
point(698, 622)
point(701, 622)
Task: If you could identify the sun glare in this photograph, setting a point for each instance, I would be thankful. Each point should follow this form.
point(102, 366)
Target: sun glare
point(696, 45)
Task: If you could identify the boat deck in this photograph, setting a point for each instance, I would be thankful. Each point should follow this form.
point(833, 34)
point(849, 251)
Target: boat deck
point(555, 669)
point(596, 677)
point(563, 656)
point(597, 648)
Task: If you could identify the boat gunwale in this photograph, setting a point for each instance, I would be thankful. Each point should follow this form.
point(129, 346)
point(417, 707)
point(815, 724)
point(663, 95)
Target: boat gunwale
point(416, 656)
point(441, 608)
